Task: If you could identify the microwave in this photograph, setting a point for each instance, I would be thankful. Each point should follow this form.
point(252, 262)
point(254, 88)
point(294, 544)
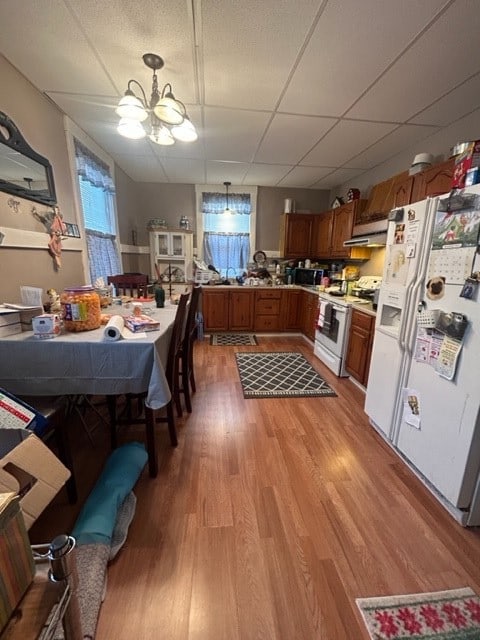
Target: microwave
point(308, 277)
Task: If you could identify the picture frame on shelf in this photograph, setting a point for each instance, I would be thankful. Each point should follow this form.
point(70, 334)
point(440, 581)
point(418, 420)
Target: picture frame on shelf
point(71, 230)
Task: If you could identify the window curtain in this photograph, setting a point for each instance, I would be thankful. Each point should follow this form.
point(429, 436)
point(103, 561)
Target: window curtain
point(226, 238)
point(227, 251)
point(97, 192)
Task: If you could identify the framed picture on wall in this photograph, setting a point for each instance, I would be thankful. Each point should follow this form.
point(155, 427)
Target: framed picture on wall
point(72, 230)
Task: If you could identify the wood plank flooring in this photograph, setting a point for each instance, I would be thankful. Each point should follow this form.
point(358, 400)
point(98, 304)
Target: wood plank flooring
point(269, 518)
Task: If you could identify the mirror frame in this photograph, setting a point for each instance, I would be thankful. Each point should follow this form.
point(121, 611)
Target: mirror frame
point(17, 142)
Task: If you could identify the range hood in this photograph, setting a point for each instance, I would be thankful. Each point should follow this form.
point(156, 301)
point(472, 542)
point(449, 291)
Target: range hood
point(370, 234)
point(378, 239)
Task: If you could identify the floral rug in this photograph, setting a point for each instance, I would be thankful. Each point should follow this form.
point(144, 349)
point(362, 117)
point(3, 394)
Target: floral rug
point(443, 615)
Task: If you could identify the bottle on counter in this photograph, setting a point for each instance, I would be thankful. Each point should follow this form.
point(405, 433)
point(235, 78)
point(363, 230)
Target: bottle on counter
point(159, 296)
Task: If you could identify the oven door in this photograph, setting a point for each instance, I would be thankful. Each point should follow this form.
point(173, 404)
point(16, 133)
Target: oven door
point(333, 334)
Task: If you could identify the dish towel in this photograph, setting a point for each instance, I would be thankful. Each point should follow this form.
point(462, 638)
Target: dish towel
point(325, 316)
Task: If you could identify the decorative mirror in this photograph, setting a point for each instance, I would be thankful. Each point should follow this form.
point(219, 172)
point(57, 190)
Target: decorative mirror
point(23, 172)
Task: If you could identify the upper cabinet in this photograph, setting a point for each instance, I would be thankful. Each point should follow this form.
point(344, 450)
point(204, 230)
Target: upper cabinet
point(404, 189)
point(332, 228)
point(295, 235)
point(434, 181)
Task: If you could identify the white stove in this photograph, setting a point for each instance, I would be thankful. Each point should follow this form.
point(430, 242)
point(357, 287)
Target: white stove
point(331, 334)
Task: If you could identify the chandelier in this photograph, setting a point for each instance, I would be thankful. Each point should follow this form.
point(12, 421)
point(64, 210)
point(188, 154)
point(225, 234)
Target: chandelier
point(168, 116)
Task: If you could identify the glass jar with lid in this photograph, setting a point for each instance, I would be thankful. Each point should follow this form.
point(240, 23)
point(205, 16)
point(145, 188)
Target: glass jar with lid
point(81, 308)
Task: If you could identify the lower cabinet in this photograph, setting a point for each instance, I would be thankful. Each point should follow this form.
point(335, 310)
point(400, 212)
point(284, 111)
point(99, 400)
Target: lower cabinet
point(215, 309)
point(241, 306)
point(272, 310)
point(360, 346)
point(310, 309)
point(292, 309)
point(267, 310)
point(225, 310)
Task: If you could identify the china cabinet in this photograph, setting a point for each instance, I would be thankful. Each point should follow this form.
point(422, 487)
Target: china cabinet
point(171, 256)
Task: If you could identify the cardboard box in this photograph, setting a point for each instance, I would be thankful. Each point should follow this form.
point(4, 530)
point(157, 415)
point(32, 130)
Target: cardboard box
point(47, 325)
point(30, 470)
point(9, 322)
point(17, 567)
point(141, 323)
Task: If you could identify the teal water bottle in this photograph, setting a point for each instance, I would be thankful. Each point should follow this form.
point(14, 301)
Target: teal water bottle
point(160, 297)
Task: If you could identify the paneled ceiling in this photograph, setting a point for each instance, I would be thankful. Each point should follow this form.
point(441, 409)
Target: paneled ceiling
point(291, 93)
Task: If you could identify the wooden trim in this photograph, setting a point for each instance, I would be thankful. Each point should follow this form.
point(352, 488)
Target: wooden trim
point(23, 239)
point(131, 248)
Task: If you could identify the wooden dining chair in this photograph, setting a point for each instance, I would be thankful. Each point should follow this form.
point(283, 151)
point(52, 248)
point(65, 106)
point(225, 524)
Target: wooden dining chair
point(187, 375)
point(149, 418)
point(130, 284)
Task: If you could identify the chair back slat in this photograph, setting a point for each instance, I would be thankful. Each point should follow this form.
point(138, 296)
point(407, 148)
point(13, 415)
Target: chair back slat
point(133, 285)
point(176, 338)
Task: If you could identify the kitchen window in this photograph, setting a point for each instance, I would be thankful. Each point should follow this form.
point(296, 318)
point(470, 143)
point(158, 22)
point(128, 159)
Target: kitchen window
point(97, 195)
point(226, 240)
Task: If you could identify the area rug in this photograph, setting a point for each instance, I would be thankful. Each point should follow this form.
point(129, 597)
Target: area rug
point(443, 615)
point(233, 339)
point(279, 375)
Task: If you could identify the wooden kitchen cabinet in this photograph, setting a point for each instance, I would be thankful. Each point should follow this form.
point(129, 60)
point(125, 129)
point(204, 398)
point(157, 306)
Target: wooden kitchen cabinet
point(215, 304)
point(402, 190)
point(295, 235)
point(267, 310)
point(310, 310)
point(332, 228)
point(241, 307)
point(360, 346)
point(225, 310)
point(322, 234)
point(434, 181)
point(292, 309)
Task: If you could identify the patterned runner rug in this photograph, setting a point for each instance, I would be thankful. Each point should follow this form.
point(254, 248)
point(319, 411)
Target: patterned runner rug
point(279, 375)
point(233, 339)
point(443, 615)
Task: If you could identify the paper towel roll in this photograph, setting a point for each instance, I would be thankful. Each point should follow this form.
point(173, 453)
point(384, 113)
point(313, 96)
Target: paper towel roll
point(113, 329)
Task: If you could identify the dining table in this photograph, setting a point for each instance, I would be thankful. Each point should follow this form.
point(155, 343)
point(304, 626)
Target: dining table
point(87, 363)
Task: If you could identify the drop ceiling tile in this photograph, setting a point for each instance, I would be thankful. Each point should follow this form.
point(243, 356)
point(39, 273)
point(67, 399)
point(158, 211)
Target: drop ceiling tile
point(220, 172)
point(403, 137)
point(266, 175)
point(344, 141)
point(290, 137)
point(233, 134)
point(188, 171)
point(304, 176)
point(453, 106)
point(336, 178)
point(249, 48)
point(146, 26)
point(44, 42)
point(144, 168)
point(353, 43)
point(435, 64)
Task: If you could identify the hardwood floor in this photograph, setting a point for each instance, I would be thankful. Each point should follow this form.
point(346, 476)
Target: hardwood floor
point(269, 519)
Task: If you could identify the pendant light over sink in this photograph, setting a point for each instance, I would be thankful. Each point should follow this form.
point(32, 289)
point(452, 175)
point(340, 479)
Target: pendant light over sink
point(227, 210)
point(168, 119)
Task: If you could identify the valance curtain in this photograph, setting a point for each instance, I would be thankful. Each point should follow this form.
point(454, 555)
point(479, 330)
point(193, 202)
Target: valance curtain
point(226, 237)
point(97, 192)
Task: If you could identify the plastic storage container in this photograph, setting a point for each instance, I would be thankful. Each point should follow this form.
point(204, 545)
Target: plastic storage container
point(81, 308)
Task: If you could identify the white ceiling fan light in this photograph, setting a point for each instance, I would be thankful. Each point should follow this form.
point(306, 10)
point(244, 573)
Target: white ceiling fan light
point(161, 135)
point(131, 107)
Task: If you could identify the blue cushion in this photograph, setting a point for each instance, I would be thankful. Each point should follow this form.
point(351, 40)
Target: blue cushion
point(99, 513)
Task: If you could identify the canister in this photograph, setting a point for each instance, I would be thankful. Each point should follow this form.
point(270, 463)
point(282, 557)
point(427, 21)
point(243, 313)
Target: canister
point(81, 308)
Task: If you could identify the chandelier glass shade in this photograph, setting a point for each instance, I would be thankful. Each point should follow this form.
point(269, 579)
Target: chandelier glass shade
point(168, 119)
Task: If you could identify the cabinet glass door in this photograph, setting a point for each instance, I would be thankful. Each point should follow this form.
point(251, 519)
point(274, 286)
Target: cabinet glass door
point(162, 244)
point(177, 248)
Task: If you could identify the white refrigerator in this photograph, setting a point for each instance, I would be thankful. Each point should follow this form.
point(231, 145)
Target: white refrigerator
point(423, 391)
